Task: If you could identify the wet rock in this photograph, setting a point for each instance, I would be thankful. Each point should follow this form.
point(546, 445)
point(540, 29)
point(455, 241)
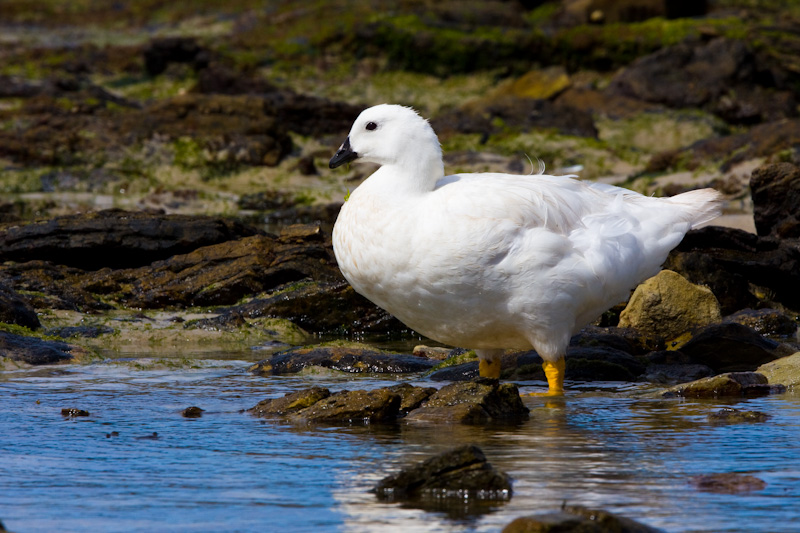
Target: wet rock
point(721, 75)
point(14, 309)
point(412, 397)
point(87, 332)
point(668, 305)
point(577, 519)
point(161, 52)
point(345, 311)
point(732, 384)
point(192, 412)
point(459, 372)
point(50, 286)
point(583, 363)
point(352, 407)
point(765, 321)
point(776, 200)
point(474, 402)
point(222, 274)
point(432, 352)
point(734, 262)
point(345, 359)
point(226, 322)
point(784, 371)
point(115, 238)
point(290, 403)
point(73, 412)
point(727, 483)
point(461, 473)
point(731, 347)
point(33, 351)
point(736, 416)
point(671, 367)
point(627, 340)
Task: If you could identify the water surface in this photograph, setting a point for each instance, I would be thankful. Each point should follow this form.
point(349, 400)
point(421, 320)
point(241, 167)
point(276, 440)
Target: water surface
point(229, 471)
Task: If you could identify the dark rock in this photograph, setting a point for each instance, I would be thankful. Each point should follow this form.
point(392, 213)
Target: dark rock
point(672, 366)
point(304, 114)
point(87, 332)
point(520, 113)
point(583, 363)
point(306, 166)
point(721, 75)
point(14, 309)
point(411, 397)
point(72, 412)
point(733, 384)
point(461, 372)
point(765, 321)
point(460, 473)
point(776, 200)
point(192, 412)
point(33, 351)
point(290, 403)
point(762, 140)
point(115, 238)
point(735, 416)
point(728, 483)
point(266, 200)
point(51, 286)
point(220, 274)
point(473, 402)
point(605, 103)
point(345, 359)
point(226, 322)
point(577, 519)
point(352, 407)
point(627, 340)
point(163, 51)
point(731, 347)
point(730, 261)
point(676, 373)
point(345, 311)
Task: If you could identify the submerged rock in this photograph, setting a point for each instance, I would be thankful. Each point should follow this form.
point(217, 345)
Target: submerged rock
point(668, 305)
point(351, 407)
point(784, 371)
point(192, 412)
point(732, 384)
point(33, 351)
point(735, 416)
point(461, 473)
point(577, 519)
point(473, 402)
point(765, 321)
point(727, 483)
point(343, 358)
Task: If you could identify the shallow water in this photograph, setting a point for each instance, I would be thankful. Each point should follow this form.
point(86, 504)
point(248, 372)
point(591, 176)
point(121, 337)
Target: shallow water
point(229, 471)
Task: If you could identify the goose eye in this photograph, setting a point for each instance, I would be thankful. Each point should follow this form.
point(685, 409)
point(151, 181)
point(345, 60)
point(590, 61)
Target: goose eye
point(371, 126)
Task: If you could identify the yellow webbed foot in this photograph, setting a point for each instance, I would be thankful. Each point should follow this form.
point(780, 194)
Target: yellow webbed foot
point(489, 368)
point(554, 371)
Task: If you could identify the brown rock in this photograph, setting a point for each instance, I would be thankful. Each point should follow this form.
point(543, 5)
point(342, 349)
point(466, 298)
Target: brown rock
point(776, 200)
point(734, 384)
point(473, 402)
point(342, 358)
point(290, 403)
point(352, 407)
point(728, 483)
point(577, 519)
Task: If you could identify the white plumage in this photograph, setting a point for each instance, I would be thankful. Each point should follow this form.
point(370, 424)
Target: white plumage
point(494, 261)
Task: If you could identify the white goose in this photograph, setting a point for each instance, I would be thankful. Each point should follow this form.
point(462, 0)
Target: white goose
point(495, 261)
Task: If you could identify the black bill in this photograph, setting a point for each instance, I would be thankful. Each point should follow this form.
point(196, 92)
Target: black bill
point(344, 155)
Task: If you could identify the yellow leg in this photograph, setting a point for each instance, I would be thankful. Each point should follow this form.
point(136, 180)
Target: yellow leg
point(555, 378)
point(489, 368)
